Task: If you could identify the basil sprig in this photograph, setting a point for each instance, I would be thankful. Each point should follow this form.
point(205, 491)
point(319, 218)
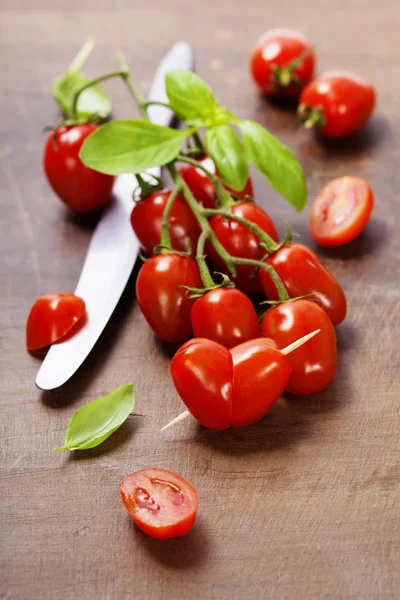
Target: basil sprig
point(97, 420)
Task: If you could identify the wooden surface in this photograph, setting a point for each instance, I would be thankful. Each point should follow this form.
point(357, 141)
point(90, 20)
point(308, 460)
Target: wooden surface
point(305, 504)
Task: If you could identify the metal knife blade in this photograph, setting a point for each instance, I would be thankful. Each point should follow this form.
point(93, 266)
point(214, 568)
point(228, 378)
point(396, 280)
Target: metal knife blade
point(112, 252)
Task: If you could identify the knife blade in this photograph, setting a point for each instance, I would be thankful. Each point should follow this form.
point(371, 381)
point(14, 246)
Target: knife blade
point(113, 249)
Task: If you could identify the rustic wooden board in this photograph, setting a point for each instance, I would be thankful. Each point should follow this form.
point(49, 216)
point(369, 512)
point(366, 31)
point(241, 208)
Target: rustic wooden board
point(305, 504)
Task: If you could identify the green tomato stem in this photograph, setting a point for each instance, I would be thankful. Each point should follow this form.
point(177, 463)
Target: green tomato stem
point(283, 295)
point(81, 57)
point(165, 236)
point(133, 90)
point(223, 195)
point(89, 84)
point(201, 261)
point(267, 241)
point(199, 143)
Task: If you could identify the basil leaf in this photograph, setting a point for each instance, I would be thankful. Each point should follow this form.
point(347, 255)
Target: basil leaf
point(97, 420)
point(190, 97)
point(276, 162)
point(131, 146)
point(92, 101)
point(227, 152)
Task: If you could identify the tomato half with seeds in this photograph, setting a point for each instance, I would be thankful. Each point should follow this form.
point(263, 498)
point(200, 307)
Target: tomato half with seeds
point(337, 102)
point(313, 365)
point(51, 318)
point(80, 188)
point(202, 187)
point(162, 297)
point(202, 372)
point(146, 220)
point(260, 375)
point(282, 62)
point(239, 241)
point(302, 273)
point(162, 504)
point(225, 315)
point(341, 211)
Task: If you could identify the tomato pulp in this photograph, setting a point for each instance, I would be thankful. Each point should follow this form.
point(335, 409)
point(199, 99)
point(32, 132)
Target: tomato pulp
point(51, 318)
point(161, 297)
point(80, 188)
point(201, 185)
point(313, 365)
point(302, 273)
point(340, 103)
point(239, 241)
point(146, 220)
point(225, 315)
point(341, 211)
point(161, 503)
point(273, 54)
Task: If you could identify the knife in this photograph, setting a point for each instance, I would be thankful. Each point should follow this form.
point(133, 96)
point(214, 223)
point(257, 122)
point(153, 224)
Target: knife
point(113, 249)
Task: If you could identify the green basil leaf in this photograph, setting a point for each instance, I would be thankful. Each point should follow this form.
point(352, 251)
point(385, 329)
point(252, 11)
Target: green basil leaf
point(92, 101)
point(97, 420)
point(190, 97)
point(227, 152)
point(276, 162)
point(131, 146)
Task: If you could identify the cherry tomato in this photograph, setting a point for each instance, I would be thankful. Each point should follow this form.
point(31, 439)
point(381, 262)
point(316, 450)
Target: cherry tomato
point(201, 186)
point(146, 219)
point(51, 318)
point(338, 102)
point(202, 373)
point(260, 375)
point(161, 503)
point(240, 241)
point(161, 297)
point(313, 364)
point(273, 56)
point(341, 211)
point(80, 188)
point(226, 316)
point(302, 273)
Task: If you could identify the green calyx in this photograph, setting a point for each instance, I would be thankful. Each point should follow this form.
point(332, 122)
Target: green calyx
point(193, 293)
point(311, 116)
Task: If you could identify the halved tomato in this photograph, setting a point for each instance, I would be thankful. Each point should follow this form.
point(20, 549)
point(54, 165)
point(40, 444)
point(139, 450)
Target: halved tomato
point(161, 503)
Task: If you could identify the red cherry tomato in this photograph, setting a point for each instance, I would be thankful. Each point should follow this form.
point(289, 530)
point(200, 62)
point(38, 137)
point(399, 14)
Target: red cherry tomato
point(201, 186)
point(226, 316)
point(161, 503)
point(341, 211)
point(240, 241)
point(79, 187)
point(302, 273)
point(260, 375)
point(338, 101)
point(271, 59)
point(162, 298)
point(146, 219)
point(313, 364)
point(51, 318)
point(202, 373)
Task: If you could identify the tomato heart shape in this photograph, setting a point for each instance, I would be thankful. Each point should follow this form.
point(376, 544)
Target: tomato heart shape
point(260, 375)
point(202, 372)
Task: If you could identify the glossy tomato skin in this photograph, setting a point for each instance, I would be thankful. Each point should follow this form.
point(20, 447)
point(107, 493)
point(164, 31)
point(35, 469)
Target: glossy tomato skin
point(238, 240)
point(80, 188)
point(260, 375)
point(51, 318)
point(225, 315)
point(202, 372)
point(162, 504)
point(202, 187)
point(314, 364)
point(302, 273)
point(161, 297)
point(279, 48)
point(347, 101)
point(341, 211)
point(146, 220)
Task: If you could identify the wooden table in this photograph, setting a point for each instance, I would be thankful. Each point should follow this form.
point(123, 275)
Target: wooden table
point(305, 504)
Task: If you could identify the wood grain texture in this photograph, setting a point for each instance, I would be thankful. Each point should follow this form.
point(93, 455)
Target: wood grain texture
point(304, 504)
